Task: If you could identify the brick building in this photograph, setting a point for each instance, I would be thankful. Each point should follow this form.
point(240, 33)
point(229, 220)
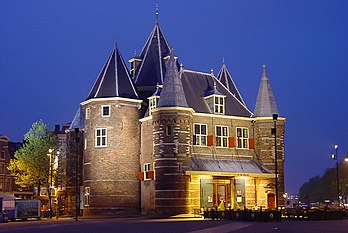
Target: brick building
point(161, 138)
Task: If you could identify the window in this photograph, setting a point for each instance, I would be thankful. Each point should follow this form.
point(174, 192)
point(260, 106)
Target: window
point(87, 195)
point(2, 168)
point(152, 104)
point(88, 113)
point(146, 170)
point(8, 185)
point(101, 137)
point(168, 130)
point(200, 134)
point(105, 110)
point(2, 155)
point(221, 136)
point(242, 138)
point(85, 146)
point(1, 183)
point(154, 170)
point(219, 107)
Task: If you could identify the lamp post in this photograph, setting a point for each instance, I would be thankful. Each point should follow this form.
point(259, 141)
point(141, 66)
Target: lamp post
point(334, 156)
point(274, 132)
point(50, 153)
point(77, 139)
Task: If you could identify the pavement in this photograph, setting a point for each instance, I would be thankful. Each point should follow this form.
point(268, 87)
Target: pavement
point(177, 224)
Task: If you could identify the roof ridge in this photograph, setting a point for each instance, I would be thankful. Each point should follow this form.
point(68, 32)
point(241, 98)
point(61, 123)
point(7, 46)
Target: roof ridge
point(197, 72)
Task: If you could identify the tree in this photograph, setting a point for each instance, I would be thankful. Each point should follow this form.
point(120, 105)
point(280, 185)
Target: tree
point(30, 167)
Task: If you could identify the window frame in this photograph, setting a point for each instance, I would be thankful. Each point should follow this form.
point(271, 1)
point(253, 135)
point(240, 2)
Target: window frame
point(242, 141)
point(197, 137)
point(152, 103)
point(87, 196)
point(220, 107)
point(147, 168)
point(222, 138)
point(102, 110)
point(101, 136)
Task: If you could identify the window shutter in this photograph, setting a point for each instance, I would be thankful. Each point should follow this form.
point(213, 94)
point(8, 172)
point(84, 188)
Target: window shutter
point(150, 174)
point(140, 175)
point(210, 140)
point(251, 143)
point(231, 142)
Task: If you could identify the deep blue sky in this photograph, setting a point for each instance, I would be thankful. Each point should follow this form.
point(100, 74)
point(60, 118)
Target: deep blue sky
point(52, 51)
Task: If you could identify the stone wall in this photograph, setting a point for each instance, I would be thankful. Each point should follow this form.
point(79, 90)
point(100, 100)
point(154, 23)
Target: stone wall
point(111, 171)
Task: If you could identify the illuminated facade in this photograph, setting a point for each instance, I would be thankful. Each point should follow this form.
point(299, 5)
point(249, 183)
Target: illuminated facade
point(165, 139)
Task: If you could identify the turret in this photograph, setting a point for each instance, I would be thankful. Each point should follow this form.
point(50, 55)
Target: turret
point(112, 142)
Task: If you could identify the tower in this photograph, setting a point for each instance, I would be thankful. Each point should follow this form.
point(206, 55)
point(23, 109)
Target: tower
point(269, 132)
point(171, 139)
point(112, 142)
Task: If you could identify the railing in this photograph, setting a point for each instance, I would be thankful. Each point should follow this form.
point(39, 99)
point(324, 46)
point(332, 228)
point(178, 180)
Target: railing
point(244, 215)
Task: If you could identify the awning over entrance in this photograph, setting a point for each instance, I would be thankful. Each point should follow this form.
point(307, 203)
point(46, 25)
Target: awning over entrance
point(228, 167)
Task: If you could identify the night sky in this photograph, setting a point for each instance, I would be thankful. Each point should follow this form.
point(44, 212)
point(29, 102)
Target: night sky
point(52, 51)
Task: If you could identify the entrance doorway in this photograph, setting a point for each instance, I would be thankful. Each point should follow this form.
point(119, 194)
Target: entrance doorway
point(221, 199)
point(271, 201)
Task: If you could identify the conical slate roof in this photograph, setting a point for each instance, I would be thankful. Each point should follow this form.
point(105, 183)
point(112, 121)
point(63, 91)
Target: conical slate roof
point(152, 68)
point(265, 102)
point(79, 120)
point(172, 94)
point(226, 79)
point(114, 79)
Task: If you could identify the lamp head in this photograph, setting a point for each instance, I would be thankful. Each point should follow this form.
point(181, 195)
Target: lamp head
point(333, 156)
point(50, 150)
point(336, 146)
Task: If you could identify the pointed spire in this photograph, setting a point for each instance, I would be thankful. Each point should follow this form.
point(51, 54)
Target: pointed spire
point(114, 79)
point(152, 68)
point(172, 94)
point(212, 72)
point(226, 79)
point(79, 120)
point(265, 102)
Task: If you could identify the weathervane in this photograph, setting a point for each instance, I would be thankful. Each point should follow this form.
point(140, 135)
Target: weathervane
point(156, 13)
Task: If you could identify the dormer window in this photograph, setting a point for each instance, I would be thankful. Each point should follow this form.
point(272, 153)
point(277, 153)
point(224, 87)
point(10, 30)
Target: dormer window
point(219, 104)
point(152, 103)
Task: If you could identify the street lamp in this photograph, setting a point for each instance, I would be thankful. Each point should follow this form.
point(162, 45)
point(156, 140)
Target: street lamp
point(274, 132)
point(50, 153)
point(334, 157)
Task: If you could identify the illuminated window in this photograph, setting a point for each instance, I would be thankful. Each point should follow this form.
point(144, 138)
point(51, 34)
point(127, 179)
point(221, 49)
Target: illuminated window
point(147, 167)
point(105, 110)
point(200, 134)
point(87, 195)
point(1, 183)
point(221, 136)
point(88, 113)
point(242, 138)
point(101, 137)
point(219, 104)
point(154, 170)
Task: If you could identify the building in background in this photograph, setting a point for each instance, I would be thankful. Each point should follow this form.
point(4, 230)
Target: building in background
point(161, 138)
point(7, 182)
